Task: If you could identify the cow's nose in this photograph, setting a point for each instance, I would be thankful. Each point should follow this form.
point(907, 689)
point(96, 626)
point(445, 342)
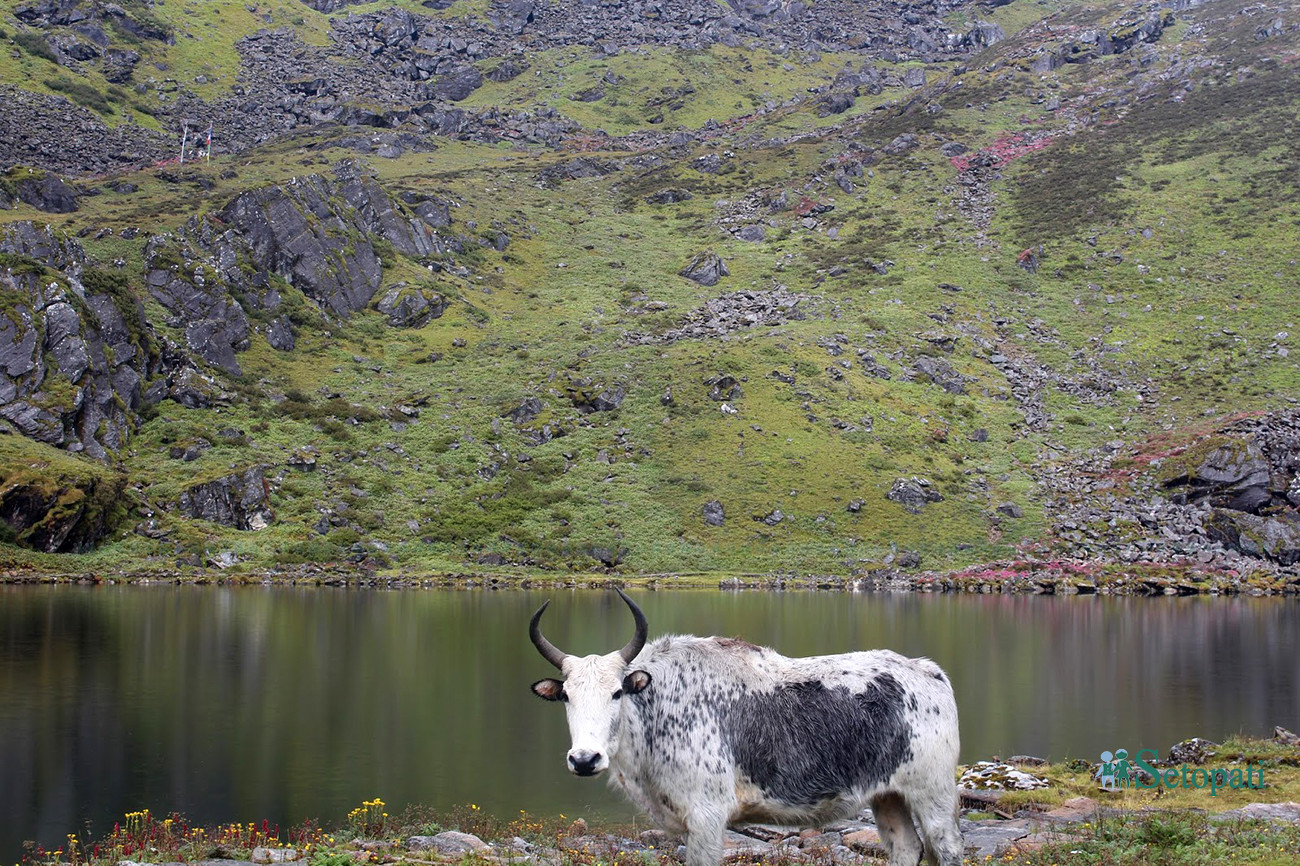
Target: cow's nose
point(584, 763)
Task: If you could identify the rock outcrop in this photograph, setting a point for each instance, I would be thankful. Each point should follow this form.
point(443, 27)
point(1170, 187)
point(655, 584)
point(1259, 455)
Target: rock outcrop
point(240, 500)
point(198, 301)
point(75, 350)
point(43, 190)
point(322, 235)
point(58, 504)
point(1227, 499)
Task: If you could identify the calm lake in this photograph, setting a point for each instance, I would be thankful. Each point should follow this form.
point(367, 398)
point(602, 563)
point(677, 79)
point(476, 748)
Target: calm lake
point(241, 704)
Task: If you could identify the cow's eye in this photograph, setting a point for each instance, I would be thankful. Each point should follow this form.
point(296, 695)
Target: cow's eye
point(618, 694)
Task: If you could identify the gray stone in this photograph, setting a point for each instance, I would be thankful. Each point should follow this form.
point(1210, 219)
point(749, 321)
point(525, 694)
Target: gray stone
point(725, 388)
point(45, 191)
point(1195, 750)
point(280, 334)
point(411, 306)
point(458, 84)
point(529, 409)
point(706, 269)
point(240, 500)
point(1289, 812)
point(913, 493)
point(941, 373)
point(714, 514)
point(447, 842)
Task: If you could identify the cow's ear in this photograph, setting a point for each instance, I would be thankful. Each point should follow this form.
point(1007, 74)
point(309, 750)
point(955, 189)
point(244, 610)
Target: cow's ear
point(551, 690)
point(636, 682)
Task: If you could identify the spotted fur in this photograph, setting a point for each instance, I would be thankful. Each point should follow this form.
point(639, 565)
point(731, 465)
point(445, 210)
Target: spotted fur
point(703, 733)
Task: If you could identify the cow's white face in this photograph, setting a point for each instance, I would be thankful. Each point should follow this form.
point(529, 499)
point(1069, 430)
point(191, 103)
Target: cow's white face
point(593, 691)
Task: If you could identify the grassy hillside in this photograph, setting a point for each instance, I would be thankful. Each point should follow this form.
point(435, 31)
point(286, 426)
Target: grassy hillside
point(1129, 249)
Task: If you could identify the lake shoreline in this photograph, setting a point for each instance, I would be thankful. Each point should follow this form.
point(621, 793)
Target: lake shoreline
point(1011, 577)
point(1022, 812)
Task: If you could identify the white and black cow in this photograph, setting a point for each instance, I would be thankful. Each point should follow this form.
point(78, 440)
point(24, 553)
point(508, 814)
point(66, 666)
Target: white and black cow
point(705, 732)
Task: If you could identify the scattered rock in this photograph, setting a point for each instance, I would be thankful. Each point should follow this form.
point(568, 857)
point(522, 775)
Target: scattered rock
point(1192, 751)
point(999, 776)
point(714, 515)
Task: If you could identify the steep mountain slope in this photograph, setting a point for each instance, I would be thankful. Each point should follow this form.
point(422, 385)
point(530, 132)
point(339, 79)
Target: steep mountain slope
point(653, 287)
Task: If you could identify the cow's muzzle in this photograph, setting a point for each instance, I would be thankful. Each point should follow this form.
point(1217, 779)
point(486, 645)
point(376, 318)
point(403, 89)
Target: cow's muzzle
point(585, 763)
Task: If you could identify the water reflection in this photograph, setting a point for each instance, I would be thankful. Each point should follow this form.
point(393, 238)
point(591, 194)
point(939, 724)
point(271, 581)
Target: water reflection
point(240, 704)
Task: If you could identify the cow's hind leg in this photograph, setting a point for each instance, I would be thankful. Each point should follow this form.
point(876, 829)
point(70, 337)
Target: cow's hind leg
point(936, 819)
point(897, 832)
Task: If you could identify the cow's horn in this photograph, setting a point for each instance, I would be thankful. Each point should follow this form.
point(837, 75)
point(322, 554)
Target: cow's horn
point(549, 651)
point(633, 647)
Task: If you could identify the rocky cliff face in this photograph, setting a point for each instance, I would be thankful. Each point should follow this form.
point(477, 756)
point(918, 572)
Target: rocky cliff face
point(75, 350)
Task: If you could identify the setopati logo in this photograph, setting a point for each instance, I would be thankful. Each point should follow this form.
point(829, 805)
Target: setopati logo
point(1117, 771)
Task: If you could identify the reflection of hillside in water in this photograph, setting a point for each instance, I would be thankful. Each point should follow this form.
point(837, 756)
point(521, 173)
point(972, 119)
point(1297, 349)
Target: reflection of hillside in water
point(286, 704)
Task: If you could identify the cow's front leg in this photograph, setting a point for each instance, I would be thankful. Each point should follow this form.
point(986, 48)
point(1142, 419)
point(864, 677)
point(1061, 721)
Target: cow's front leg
point(705, 829)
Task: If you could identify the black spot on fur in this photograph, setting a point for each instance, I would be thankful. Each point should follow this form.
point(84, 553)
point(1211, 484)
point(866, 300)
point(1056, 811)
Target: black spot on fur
point(938, 675)
point(804, 743)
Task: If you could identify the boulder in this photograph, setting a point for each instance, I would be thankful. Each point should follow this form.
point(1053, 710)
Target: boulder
point(280, 334)
point(1276, 538)
point(941, 373)
point(1195, 750)
point(705, 268)
point(507, 70)
point(669, 195)
point(714, 515)
point(998, 776)
point(526, 411)
point(319, 234)
point(458, 84)
point(835, 102)
point(411, 306)
point(447, 842)
point(1233, 475)
point(198, 301)
point(43, 190)
point(725, 388)
point(586, 399)
point(240, 500)
point(913, 493)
